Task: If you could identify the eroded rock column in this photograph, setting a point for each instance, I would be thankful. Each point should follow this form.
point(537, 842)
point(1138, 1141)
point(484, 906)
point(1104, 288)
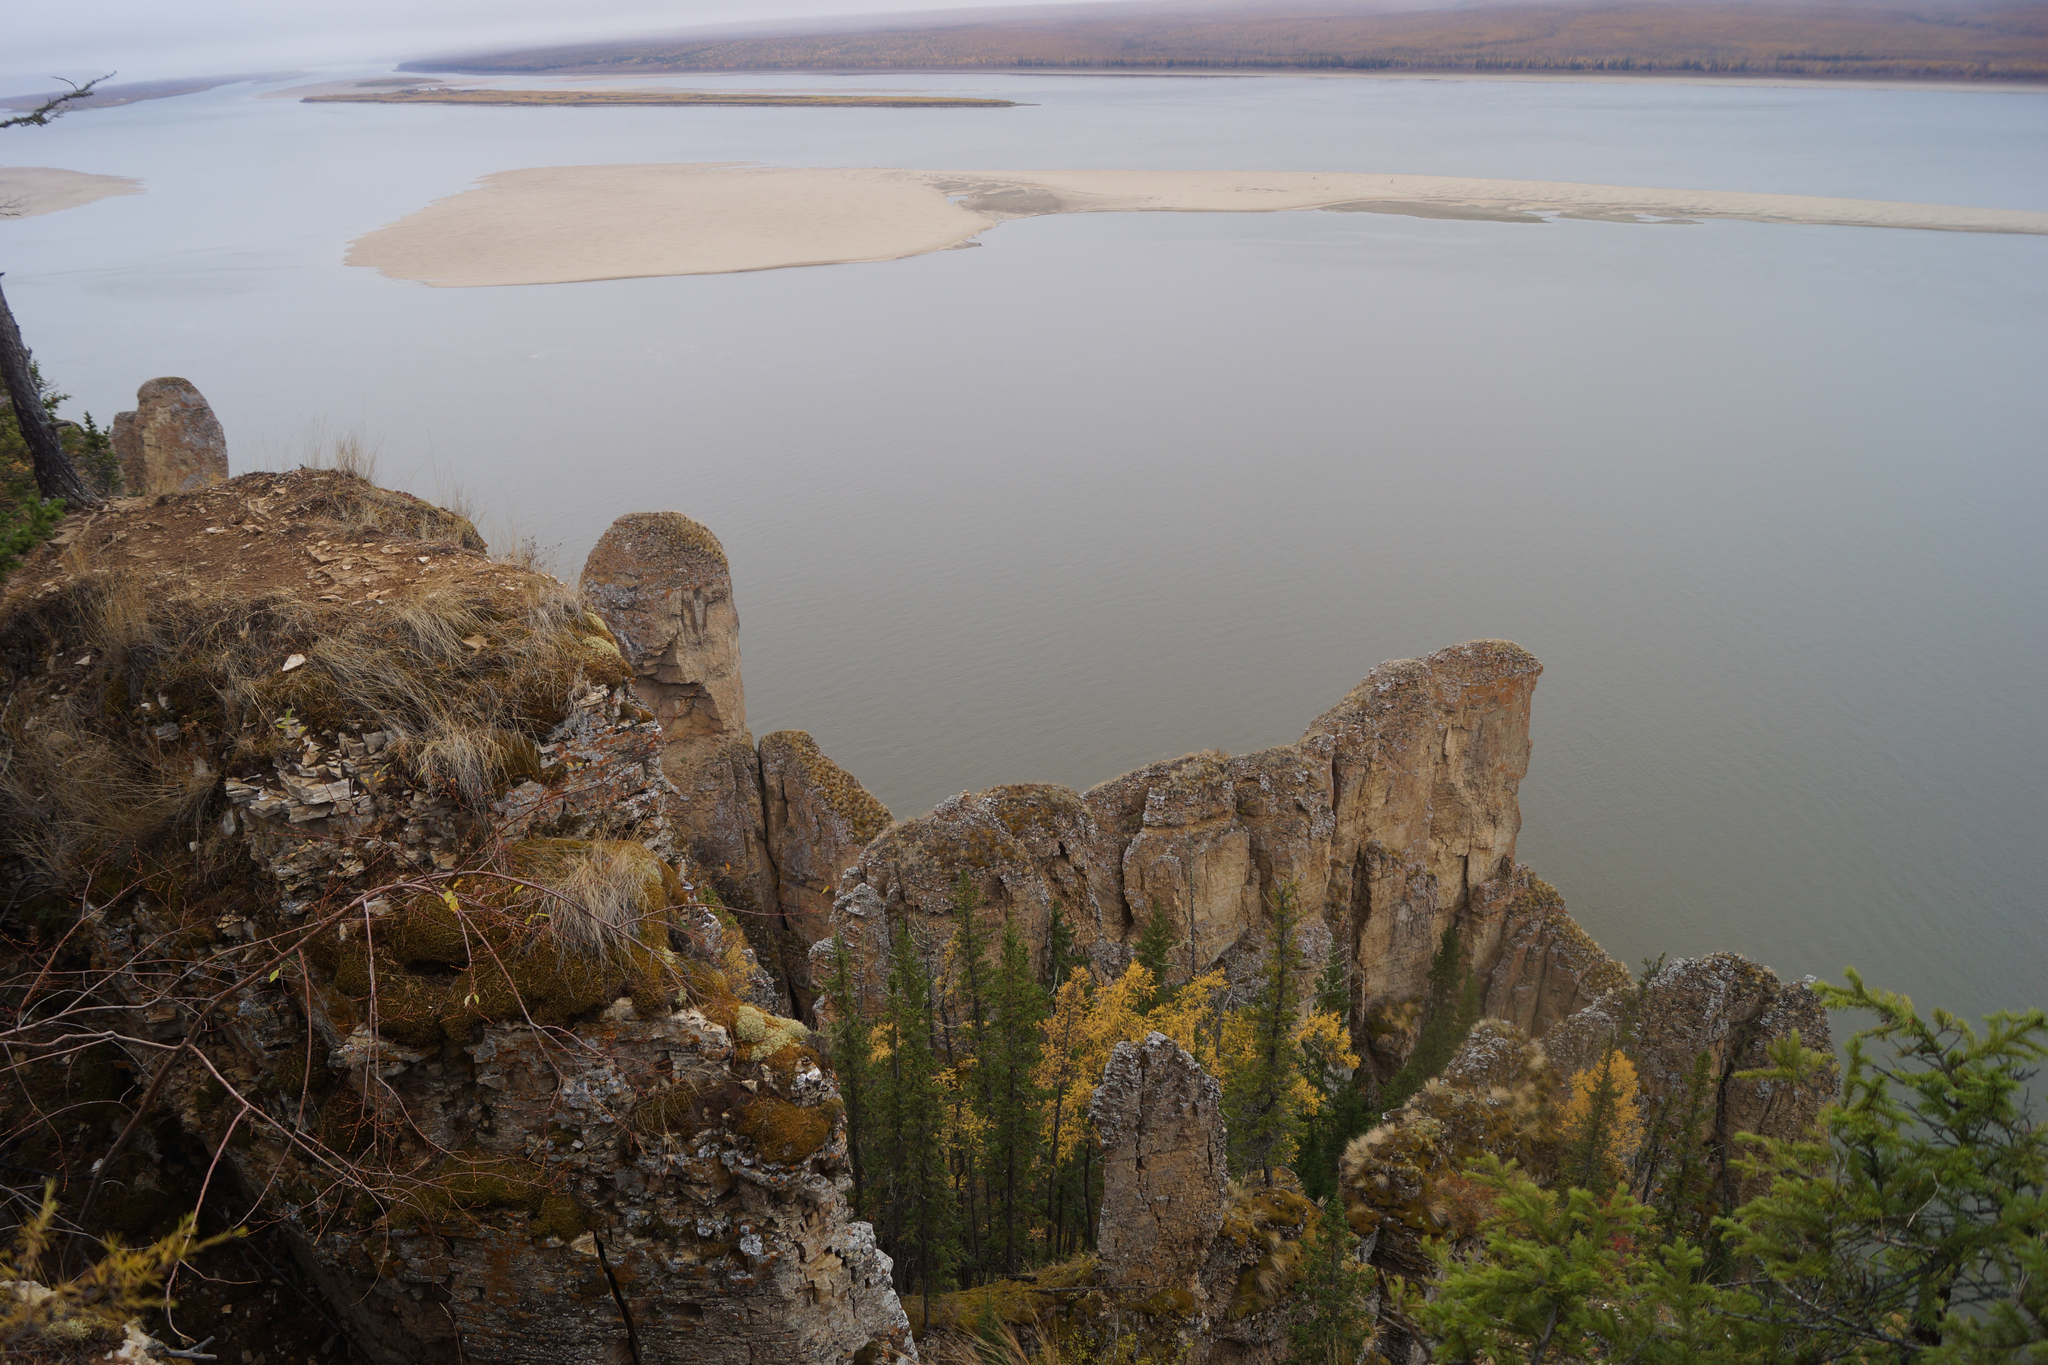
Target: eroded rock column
point(1159, 1117)
point(1426, 757)
point(661, 582)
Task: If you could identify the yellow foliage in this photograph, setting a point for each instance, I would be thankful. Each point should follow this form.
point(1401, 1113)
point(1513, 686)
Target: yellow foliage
point(1319, 1035)
point(1188, 1017)
point(1625, 1127)
point(1085, 1026)
point(1074, 1054)
point(96, 1305)
point(967, 1128)
point(1325, 1048)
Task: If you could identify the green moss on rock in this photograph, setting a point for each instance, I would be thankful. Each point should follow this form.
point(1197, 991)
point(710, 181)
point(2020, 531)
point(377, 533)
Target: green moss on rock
point(784, 1133)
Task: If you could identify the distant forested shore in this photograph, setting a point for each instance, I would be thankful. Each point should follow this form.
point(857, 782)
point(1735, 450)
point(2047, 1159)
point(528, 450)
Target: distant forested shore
point(1887, 41)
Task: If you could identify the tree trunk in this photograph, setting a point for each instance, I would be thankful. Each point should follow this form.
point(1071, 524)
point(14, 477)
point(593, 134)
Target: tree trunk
point(56, 476)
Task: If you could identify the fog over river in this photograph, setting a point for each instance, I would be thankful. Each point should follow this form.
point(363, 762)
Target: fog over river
point(1769, 502)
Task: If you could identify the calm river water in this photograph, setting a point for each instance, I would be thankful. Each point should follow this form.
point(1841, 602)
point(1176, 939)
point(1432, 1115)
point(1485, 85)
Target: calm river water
point(1770, 503)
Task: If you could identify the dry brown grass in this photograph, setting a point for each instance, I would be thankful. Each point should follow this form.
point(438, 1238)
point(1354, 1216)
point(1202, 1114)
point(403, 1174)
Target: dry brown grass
point(348, 452)
point(460, 679)
point(606, 897)
point(67, 792)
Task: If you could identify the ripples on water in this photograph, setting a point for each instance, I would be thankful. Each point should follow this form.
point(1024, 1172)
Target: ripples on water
point(1767, 501)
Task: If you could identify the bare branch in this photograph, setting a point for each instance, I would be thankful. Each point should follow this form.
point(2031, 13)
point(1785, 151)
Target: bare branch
point(54, 107)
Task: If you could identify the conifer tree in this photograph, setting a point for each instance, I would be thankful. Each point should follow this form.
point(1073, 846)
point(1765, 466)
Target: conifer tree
point(1332, 1317)
point(1009, 1058)
point(968, 1004)
point(1061, 955)
point(970, 963)
point(1451, 1007)
point(1603, 1125)
point(1154, 949)
point(852, 1059)
point(1684, 1197)
point(1262, 1109)
point(1908, 1226)
point(920, 1207)
point(1059, 1071)
point(1345, 1111)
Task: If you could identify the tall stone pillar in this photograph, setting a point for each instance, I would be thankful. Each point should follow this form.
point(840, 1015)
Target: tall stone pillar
point(1159, 1117)
point(661, 582)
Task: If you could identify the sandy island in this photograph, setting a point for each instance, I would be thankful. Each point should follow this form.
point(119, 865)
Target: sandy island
point(493, 96)
point(26, 191)
point(556, 225)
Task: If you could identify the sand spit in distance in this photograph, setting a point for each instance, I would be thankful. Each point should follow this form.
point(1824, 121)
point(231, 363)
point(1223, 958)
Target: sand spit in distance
point(557, 225)
point(26, 191)
point(651, 99)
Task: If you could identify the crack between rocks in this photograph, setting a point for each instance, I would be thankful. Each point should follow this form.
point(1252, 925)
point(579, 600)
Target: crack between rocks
point(625, 1313)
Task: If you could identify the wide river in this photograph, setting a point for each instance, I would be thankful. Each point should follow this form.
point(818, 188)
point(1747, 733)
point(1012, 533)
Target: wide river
point(1769, 502)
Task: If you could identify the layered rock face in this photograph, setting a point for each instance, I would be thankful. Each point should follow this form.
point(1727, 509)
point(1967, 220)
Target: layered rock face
point(1546, 967)
point(818, 819)
point(1426, 758)
point(661, 582)
point(171, 442)
point(1392, 818)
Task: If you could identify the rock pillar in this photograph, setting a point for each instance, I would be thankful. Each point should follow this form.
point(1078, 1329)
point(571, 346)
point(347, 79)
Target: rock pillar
point(661, 582)
point(171, 442)
point(1160, 1120)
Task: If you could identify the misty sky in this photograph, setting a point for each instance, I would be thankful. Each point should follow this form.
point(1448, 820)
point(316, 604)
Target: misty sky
point(145, 40)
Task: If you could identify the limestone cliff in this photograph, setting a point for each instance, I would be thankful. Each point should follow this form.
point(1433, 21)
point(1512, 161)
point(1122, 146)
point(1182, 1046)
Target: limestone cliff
point(1393, 818)
point(402, 908)
point(1546, 967)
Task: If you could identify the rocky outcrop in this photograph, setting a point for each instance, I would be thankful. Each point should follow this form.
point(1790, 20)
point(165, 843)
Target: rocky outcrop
point(661, 583)
point(171, 442)
point(1502, 1095)
point(1426, 758)
point(1159, 1119)
point(1729, 1010)
point(1209, 839)
point(819, 819)
point(1024, 850)
point(492, 1062)
point(1392, 818)
point(1546, 967)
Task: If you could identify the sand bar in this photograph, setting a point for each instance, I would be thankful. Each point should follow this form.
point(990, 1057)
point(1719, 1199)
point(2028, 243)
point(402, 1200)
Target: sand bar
point(655, 99)
point(557, 225)
point(26, 191)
